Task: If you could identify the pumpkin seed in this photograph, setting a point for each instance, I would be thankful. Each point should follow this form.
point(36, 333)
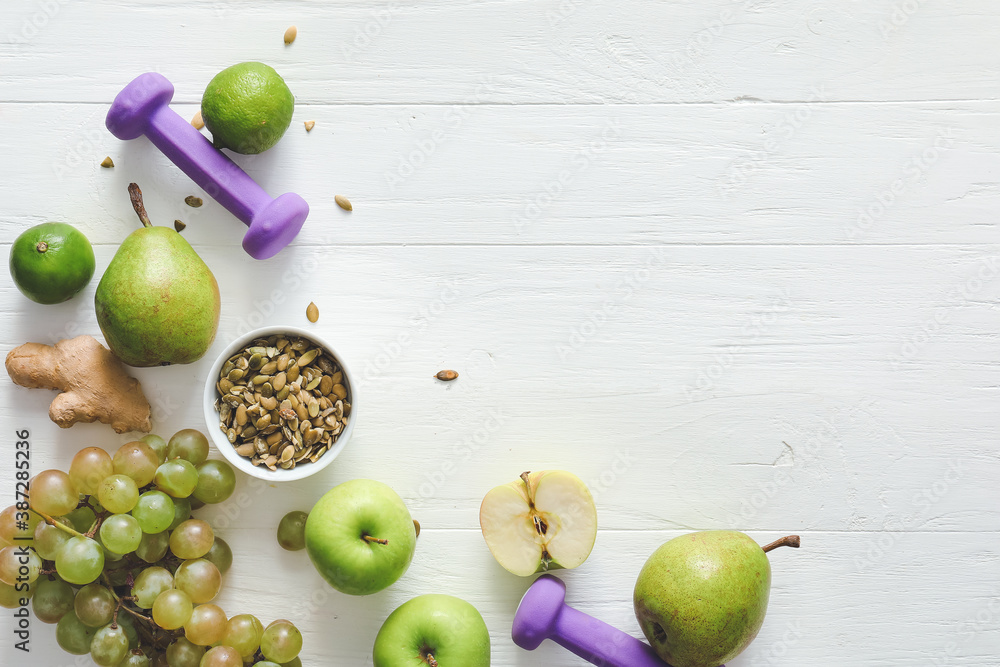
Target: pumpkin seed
point(308, 358)
point(179, 225)
point(343, 202)
point(108, 163)
point(340, 391)
point(197, 121)
point(312, 312)
point(291, 34)
point(446, 376)
point(192, 201)
point(241, 415)
point(310, 124)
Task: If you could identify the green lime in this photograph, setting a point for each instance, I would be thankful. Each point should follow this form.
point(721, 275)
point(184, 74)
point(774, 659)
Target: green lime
point(247, 108)
point(51, 262)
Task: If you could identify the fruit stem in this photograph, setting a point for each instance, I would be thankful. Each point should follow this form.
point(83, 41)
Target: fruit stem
point(429, 659)
point(369, 538)
point(135, 194)
point(121, 604)
point(49, 520)
point(787, 541)
point(41, 246)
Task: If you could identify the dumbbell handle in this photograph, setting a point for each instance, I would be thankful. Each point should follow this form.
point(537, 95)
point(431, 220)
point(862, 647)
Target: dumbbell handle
point(601, 644)
point(210, 168)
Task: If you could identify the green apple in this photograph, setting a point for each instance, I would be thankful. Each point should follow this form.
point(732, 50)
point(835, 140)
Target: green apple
point(701, 598)
point(360, 537)
point(433, 631)
point(546, 520)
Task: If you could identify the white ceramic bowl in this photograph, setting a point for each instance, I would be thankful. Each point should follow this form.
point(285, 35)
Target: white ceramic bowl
point(229, 452)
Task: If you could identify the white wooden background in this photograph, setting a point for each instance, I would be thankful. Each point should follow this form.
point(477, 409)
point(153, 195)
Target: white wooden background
point(734, 262)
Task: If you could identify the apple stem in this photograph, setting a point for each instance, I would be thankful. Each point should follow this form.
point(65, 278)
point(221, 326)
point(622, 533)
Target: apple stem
point(429, 657)
point(787, 541)
point(135, 194)
point(369, 538)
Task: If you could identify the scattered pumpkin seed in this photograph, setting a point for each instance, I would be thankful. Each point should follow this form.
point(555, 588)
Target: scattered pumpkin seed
point(192, 201)
point(291, 34)
point(446, 376)
point(312, 312)
point(343, 202)
point(108, 163)
point(198, 121)
point(179, 225)
point(310, 124)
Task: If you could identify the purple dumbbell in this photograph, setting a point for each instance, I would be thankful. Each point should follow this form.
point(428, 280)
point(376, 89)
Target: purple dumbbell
point(543, 614)
point(141, 109)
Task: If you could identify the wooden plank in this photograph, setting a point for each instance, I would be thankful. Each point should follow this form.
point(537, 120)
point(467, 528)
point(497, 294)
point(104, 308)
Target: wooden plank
point(904, 174)
point(538, 51)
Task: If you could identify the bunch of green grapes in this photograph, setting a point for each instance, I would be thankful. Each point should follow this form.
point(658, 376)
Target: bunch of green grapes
point(111, 554)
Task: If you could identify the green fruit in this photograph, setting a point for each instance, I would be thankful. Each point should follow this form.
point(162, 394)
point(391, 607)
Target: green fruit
point(701, 598)
point(446, 629)
point(51, 262)
point(247, 108)
point(157, 303)
point(343, 534)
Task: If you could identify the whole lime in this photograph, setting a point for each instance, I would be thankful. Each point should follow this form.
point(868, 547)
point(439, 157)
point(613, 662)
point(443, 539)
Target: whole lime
point(51, 262)
point(247, 108)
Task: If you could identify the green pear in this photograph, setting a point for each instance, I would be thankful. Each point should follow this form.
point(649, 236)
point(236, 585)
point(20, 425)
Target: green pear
point(158, 302)
point(701, 598)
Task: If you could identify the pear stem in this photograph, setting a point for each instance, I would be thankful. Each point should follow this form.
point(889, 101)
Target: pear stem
point(787, 541)
point(135, 194)
point(369, 538)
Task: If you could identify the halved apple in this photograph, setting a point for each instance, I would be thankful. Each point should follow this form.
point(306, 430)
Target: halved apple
point(544, 521)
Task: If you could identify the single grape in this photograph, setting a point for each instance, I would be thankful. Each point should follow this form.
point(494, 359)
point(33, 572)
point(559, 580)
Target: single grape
point(176, 477)
point(154, 511)
point(216, 482)
point(152, 547)
point(281, 641)
point(121, 533)
point(135, 658)
point(81, 519)
point(137, 460)
point(73, 636)
point(243, 633)
point(149, 584)
point(109, 646)
point(52, 600)
point(94, 605)
point(172, 609)
point(51, 492)
point(220, 554)
point(49, 539)
point(199, 578)
point(80, 561)
point(206, 626)
point(182, 512)
point(88, 468)
point(17, 527)
point(292, 531)
point(12, 597)
point(188, 444)
point(118, 494)
point(18, 565)
point(157, 444)
point(222, 656)
point(182, 653)
point(192, 539)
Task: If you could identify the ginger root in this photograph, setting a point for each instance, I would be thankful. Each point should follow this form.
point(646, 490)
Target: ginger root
point(93, 383)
